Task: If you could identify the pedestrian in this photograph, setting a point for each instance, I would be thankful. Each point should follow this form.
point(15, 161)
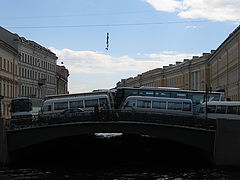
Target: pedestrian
point(96, 111)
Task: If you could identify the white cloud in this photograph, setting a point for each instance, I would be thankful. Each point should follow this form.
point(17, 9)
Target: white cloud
point(90, 62)
point(92, 70)
point(191, 27)
point(215, 10)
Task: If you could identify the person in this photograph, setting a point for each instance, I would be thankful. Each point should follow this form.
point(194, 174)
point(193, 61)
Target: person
point(134, 107)
point(96, 111)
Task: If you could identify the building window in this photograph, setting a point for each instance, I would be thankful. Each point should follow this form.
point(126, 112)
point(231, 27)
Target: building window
point(1, 63)
point(4, 64)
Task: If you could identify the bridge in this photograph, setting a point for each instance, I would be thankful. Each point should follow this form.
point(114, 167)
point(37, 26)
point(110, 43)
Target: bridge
point(208, 136)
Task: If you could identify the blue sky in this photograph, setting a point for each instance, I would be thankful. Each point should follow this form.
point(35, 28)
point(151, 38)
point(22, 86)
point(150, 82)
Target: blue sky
point(144, 34)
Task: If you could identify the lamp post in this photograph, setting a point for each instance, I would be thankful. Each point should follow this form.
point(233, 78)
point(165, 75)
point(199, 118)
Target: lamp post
point(206, 99)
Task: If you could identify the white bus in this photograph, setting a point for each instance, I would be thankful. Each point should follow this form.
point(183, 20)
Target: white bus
point(55, 106)
point(159, 105)
point(222, 109)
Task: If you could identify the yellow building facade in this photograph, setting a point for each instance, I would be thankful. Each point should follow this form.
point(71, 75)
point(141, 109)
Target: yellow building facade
point(219, 69)
point(225, 66)
point(9, 58)
point(189, 74)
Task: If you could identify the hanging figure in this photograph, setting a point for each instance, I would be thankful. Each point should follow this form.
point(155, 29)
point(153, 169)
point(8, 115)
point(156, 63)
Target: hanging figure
point(107, 41)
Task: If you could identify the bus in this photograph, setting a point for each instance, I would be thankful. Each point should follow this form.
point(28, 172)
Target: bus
point(54, 106)
point(197, 97)
point(159, 105)
point(224, 109)
point(25, 108)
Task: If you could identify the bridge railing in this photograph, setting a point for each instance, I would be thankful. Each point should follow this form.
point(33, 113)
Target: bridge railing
point(117, 115)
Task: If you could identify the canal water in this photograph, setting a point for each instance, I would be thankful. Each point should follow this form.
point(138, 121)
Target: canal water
point(118, 157)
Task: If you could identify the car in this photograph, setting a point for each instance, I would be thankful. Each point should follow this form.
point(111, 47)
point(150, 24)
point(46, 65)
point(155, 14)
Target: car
point(72, 112)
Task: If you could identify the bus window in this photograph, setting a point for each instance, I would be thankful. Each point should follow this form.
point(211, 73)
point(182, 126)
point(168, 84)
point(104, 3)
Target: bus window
point(221, 109)
point(130, 103)
point(103, 101)
point(182, 95)
point(201, 110)
point(175, 105)
point(162, 94)
point(91, 103)
point(211, 108)
point(130, 92)
point(60, 105)
point(196, 98)
point(238, 110)
point(146, 93)
point(76, 104)
point(159, 104)
point(143, 104)
point(47, 108)
point(186, 106)
point(213, 97)
point(232, 110)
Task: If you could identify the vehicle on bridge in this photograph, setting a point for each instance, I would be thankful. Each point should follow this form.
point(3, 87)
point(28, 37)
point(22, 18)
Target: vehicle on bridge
point(158, 105)
point(24, 107)
point(224, 109)
point(55, 106)
point(24, 110)
point(197, 97)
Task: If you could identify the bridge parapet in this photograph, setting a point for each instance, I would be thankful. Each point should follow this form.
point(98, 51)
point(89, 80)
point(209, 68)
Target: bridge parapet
point(117, 116)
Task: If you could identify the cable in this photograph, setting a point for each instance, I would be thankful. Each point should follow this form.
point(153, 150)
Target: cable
point(77, 15)
point(104, 25)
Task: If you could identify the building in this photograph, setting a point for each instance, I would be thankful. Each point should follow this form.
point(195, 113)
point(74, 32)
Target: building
point(9, 63)
point(37, 66)
point(191, 74)
point(225, 66)
point(219, 70)
point(62, 79)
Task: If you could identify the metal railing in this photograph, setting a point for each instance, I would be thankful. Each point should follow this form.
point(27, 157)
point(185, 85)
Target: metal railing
point(110, 115)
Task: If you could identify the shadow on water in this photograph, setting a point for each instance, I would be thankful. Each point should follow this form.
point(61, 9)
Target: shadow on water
point(90, 151)
point(115, 157)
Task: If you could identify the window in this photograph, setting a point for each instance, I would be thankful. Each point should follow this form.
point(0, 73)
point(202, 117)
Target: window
point(221, 109)
point(175, 105)
point(103, 100)
point(91, 103)
point(60, 105)
point(47, 108)
point(76, 104)
point(159, 104)
point(144, 104)
point(211, 108)
point(196, 98)
point(1, 63)
point(162, 94)
point(179, 95)
point(130, 103)
point(186, 106)
point(232, 110)
point(4, 64)
point(146, 93)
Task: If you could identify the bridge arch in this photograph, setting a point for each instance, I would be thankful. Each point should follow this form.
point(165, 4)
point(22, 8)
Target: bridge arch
point(198, 138)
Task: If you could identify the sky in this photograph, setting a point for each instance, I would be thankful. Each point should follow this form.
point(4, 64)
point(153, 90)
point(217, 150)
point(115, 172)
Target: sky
point(143, 34)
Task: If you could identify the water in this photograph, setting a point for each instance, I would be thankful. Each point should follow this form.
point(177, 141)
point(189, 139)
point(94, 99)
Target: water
point(117, 174)
point(115, 157)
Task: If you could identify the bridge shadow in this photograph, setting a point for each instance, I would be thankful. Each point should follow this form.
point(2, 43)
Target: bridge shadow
point(94, 152)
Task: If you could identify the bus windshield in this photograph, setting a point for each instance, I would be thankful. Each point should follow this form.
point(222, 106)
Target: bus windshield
point(21, 105)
